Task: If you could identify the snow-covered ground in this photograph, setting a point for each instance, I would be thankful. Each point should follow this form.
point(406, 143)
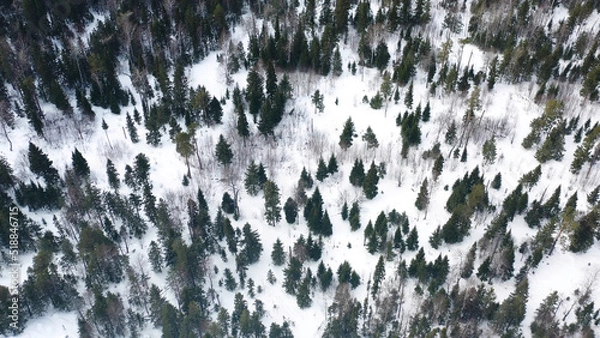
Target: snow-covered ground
point(302, 138)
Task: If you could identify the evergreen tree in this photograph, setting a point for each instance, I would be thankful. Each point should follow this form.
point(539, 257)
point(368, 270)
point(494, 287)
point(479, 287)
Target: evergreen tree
point(227, 203)
point(554, 146)
point(489, 150)
point(131, 129)
point(272, 203)
point(512, 311)
point(378, 276)
point(223, 151)
point(370, 182)
point(450, 136)
point(155, 257)
point(322, 171)
point(436, 238)
point(290, 208)
point(230, 283)
point(292, 274)
point(357, 174)
point(317, 100)
point(80, 165)
point(41, 165)
point(412, 241)
point(305, 180)
point(344, 212)
point(242, 125)
point(426, 113)
point(278, 255)
point(113, 175)
point(252, 180)
point(423, 198)
point(251, 246)
point(332, 166)
point(408, 98)
point(337, 63)
point(254, 93)
point(438, 166)
point(354, 217)
point(493, 73)
point(184, 147)
point(347, 134)
point(326, 227)
point(497, 181)
point(370, 138)
point(303, 295)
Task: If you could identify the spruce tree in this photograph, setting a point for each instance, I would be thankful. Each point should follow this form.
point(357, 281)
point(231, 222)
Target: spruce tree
point(337, 63)
point(254, 93)
point(290, 208)
point(489, 151)
point(370, 138)
point(408, 99)
point(354, 217)
point(344, 212)
point(131, 129)
point(497, 181)
point(223, 151)
point(438, 166)
point(278, 254)
point(41, 165)
point(322, 171)
point(326, 226)
point(332, 166)
point(357, 174)
point(80, 165)
point(423, 198)
point(272, 203)
point(426, 113)
point(378, 276)
point(113, 175)
point(370, 182)
point(303, 295)
point(412, 241)
point(252, 180)
point(450, 136)
point(347, 134)
point(251, 245)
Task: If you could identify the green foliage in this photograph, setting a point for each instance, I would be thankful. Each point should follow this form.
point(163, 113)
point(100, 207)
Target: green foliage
point(322, 171)
point(41, 165)
point(290, 208)
point(497, 181)
point(370, 182)
point(357, 174)
point(553, 147)
point(278, 254)
point(489, 150)
point(423, 197)
point(412, 241)
point(370, 138)
point(223, 152)
point(347, 134)
point(272, 203)
point(80, 164)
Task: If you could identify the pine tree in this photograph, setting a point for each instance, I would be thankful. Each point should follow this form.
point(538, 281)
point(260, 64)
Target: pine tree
point(292, 274)
point(438, 166)
point(271, 84)
point(436, 238)
point(227, 203)
point(317, 100)
point(337, 63)
point(184, 147)
point(426, 113)
point(113, 175)
point(290, 208)
point(80, 165)
point(347, 134)
point(41, 165)
point(230, 283)
point(278, 255)
point(493, 73)
point(370, 182)
point(412, 241)
point(326, 226)
point(131, 129)
point(408, 98)
point(272, 203)
point(370, 138)
point(357, 174)
point(322, 171)
point(155, 257)
point(332, 166)
point(254, 93)
point(223, 151)
point(378, 276)
point(252, 180)
point(489, 150)
point(305, 180)
point(554, 146)
point(303, 295)
point(251, 246)
point(450, 136)
point(242, 125)
point(354, 217)
point(344, 212)
point(423, 198)
point(497, 181)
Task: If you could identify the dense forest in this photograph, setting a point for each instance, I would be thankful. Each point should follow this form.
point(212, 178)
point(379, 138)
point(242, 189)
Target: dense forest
point(345, 168)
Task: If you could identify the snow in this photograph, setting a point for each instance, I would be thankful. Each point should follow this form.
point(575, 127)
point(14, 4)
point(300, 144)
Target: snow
point(304, 136)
